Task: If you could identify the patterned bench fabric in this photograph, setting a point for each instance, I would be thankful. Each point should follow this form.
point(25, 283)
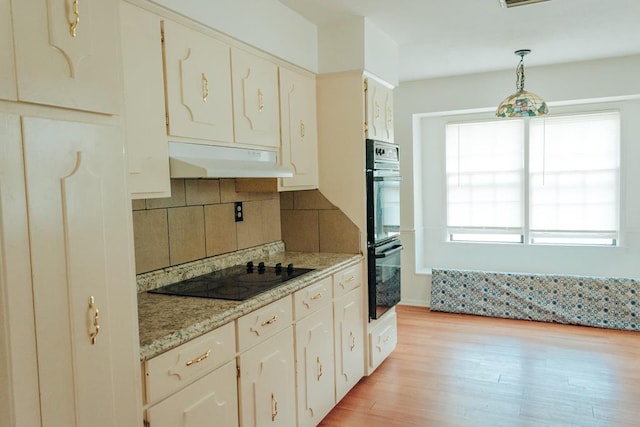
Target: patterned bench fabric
point(589, 301)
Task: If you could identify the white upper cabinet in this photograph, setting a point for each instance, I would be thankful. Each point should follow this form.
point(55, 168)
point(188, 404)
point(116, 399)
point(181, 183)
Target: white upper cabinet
point(7, 67)
point(379, 106)
point(68, 53)
point(299, 130)
point(198, 85)
point(147, 147)
point(255, 100)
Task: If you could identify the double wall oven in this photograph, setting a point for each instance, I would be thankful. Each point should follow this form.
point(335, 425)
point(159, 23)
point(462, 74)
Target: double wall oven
point(383, 226)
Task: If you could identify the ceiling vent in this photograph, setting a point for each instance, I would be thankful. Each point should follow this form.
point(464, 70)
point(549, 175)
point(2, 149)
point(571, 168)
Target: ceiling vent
point(514, 3)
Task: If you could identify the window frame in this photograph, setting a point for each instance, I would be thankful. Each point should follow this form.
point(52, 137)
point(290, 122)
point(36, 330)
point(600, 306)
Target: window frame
point(529, 237)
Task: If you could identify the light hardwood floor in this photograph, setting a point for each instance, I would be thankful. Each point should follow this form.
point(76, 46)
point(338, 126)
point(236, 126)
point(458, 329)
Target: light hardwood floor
point(461, 370)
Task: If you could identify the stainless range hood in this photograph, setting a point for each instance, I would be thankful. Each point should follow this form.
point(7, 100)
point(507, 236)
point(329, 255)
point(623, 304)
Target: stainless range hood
point(188, 160)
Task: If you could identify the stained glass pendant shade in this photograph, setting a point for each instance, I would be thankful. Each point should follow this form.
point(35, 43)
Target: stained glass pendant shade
point(522, 103)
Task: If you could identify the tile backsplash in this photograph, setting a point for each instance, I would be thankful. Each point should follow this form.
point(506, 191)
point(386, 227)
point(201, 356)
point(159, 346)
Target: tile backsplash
point(198, 222)
point(310, 223)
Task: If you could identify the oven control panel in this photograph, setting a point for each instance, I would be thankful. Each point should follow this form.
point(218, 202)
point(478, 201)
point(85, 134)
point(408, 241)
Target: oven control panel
point(386, 152)
point(382, 155)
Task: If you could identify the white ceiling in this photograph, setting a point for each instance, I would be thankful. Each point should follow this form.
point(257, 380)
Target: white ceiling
point(450, 37)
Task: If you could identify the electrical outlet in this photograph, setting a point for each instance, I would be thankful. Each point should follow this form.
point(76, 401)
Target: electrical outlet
point(237, 212)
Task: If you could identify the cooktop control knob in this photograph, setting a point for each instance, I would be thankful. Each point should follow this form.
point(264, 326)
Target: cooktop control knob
point(250, 267)
point(261, 267)
point(279, 268)
point(290, 268)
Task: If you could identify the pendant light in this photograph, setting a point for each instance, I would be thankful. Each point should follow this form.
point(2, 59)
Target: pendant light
point(522, 103)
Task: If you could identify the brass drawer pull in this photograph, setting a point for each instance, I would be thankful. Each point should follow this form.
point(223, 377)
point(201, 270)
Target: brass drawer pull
point(260, 100)
point(316, 296)
point(73, 25)
point(274, 407)
point(274, 319)
point(319, 364)
point(205, 87)
point(199, 358)
point(386, 339)
point(350, 279)
point(96, 321)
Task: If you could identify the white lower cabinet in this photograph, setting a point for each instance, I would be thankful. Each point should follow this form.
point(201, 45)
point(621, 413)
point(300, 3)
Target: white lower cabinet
point(210, 401)
point(285, 364)
point(349, 341)
point(315, 369)
point(383, 338)
point(177, 368)
point(267, 388)
point(199, 378)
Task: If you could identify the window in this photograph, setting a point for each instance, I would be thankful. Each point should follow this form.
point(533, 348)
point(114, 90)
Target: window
point(567, 192)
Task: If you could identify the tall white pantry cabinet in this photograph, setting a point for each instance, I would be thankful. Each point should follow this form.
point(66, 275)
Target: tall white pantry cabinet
point(365, 111)
point(69, 352)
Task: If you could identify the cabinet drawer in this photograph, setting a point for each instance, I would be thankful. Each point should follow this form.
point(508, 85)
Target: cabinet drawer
point(382, 339)
point(309, 299)
point(346, 280)
point(263, 323)
point(182, 365)
point(211, 401)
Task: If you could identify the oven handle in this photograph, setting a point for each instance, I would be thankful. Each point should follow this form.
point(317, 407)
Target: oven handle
point(387, 178)
point(389, 252)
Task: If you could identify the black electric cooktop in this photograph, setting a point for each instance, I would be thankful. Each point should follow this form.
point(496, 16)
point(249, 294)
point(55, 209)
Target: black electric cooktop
point(236, 283)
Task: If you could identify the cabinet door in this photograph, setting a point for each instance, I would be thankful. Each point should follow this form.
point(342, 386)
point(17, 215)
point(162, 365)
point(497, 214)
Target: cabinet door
point(267, 388)
point(299, 130)
point(68, 53)
point(7, 67)
point(255, 100)
point(315, 367)
point(83, 282)
point(383, 338)
point(379, 104)
point(198, 84)
point(147, 146)
point(209, 402)
point(348, 341)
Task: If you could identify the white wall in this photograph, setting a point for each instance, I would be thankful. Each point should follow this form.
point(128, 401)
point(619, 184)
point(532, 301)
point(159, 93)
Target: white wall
point(423, 188)
point(265, 24)
point(380, 54)
point(341, 46)
point(358, 45)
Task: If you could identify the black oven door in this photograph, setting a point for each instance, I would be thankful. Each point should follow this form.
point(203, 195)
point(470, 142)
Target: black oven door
point(384, 277)
point(383, 206)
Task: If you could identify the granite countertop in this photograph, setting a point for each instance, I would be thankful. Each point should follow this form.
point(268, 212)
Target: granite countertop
point(166, 321)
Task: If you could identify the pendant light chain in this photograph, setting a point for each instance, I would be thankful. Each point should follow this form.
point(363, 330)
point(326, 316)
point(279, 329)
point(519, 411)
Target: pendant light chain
point(520, 74)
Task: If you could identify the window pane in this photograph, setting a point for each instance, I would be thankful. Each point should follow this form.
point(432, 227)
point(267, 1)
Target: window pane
point(484, 166)
point(574, 170)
